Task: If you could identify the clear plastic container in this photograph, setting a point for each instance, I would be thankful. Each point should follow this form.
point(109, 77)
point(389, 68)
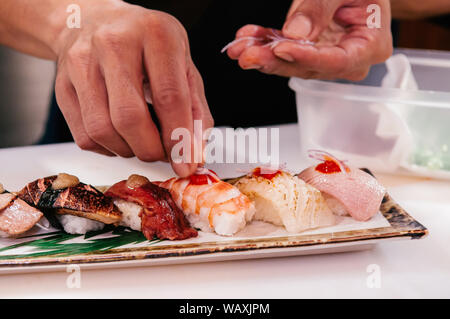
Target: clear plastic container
point(391, 122)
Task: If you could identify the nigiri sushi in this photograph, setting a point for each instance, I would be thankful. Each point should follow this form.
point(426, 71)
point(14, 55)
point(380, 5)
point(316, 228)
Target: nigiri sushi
point(16, 216)
point(70, 204)
point(210, 203)
point(149, 208)
point(285, 200)
point(347, 190)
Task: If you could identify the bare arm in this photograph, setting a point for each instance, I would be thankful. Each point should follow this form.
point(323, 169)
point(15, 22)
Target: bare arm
point(102, 67)
point(417, 9)
point(33, 29)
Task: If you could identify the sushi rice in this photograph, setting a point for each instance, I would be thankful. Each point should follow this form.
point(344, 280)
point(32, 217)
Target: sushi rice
point(79, 225)
point(131, 214)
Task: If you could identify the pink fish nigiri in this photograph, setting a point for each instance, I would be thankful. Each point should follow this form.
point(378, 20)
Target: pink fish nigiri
point(16, 216)
point(347, 190)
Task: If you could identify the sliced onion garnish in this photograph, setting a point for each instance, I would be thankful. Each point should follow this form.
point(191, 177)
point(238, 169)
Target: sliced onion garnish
point(270, 40)
point(324, 156)
point(265, 169)
point(201, 170)
point(272, 44)
point(251, 39)
point(43, 223)
point(270, 169)
point(277, 38)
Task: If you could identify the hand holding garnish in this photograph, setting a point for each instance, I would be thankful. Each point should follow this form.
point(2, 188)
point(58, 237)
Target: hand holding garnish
point(321, 39)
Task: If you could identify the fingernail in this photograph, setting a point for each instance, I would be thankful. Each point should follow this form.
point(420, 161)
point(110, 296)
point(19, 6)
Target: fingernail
point(252, 67)
point(300, 26)
point(284, 56)
point(184, 169)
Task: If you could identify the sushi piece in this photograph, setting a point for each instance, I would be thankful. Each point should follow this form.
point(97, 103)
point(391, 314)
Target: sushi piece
point(285, 200)
point(64, 194)
point(149, 208)
point(347, 190)
point(211, 204)
point(16, 216)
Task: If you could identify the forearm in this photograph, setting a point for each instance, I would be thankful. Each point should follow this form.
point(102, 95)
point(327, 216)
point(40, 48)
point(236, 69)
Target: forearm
point(34, 27)
point(416, 9)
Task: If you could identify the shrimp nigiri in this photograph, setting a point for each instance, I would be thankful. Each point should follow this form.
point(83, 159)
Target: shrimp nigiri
point(210, 203)
point(347, 190)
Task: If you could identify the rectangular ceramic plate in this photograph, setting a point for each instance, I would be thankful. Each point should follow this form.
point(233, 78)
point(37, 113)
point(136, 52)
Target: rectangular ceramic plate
point(48, 250)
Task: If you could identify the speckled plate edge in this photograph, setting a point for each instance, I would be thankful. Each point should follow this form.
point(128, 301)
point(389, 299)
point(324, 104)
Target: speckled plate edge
point(402, 226)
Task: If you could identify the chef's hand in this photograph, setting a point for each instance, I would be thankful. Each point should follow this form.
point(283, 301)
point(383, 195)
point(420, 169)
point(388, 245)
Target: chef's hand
point(99, 85)
point(345, 47)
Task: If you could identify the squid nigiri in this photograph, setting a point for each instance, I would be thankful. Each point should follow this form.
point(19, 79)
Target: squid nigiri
point(285, 200)
point(210, 203)
point(347, 190)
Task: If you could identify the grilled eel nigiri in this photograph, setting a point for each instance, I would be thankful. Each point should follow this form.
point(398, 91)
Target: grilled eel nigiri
point(64, 194)
point(16, 216)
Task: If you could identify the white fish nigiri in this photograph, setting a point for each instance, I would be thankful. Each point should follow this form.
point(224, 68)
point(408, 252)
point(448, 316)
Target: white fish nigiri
point(210, 203)
point(285, 200)
point(347, 190)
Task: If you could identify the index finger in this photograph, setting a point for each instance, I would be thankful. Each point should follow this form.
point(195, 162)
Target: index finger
point(245, 37)
point(166, 65)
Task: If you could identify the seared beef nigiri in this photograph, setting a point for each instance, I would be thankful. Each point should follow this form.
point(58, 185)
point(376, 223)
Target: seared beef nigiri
point(149, 208)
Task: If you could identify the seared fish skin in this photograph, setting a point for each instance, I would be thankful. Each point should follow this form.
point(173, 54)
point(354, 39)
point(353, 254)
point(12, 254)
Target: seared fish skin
point(80, 200)
point(16, 216)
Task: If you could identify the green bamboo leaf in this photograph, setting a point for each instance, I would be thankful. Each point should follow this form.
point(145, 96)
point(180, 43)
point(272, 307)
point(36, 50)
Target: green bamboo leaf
point(54, 243)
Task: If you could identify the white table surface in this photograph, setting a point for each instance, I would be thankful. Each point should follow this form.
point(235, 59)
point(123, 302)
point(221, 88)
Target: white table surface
point(408, 269)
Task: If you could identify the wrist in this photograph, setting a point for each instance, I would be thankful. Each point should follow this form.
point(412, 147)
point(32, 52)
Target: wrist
point(83, 12)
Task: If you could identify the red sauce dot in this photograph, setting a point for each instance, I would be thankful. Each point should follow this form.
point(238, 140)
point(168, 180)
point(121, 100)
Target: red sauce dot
point(328, 167)
point(269, 176)
point(202, 179)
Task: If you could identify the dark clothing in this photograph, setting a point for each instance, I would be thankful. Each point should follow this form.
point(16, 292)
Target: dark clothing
point(442, 20)
point(236, 97)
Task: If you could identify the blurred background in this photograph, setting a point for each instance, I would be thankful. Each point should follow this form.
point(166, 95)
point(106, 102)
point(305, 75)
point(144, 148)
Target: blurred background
point(26, 83)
